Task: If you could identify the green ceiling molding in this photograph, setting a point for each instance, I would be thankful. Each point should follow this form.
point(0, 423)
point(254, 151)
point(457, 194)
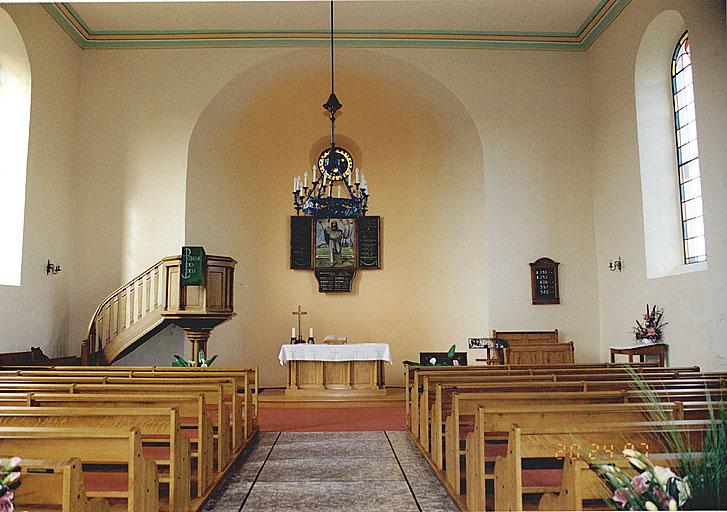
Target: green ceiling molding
point(594, 24)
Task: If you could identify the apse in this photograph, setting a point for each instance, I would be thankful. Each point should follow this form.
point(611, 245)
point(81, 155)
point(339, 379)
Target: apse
point(424, 163)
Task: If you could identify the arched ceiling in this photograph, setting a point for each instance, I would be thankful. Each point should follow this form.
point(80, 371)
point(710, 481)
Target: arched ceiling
point(549, 24)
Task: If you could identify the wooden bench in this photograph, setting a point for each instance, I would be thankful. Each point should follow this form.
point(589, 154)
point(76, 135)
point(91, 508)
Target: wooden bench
point(429, 398)
point(442, 405)
point(417, 375)
point(540, 353)
point(526, 337)
point(195, 421)
point(239, 388)
point(569, 442)
point(484, 443)
point(56, 485)
point(137, 485)
point(469, 403)
point(213, 393)
point(157, 425)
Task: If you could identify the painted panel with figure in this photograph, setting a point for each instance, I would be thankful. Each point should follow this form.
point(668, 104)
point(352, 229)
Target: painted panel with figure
point(335, 243)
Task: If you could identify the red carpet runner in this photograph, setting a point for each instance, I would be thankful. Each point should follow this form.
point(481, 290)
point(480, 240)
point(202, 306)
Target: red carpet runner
point(331, 419)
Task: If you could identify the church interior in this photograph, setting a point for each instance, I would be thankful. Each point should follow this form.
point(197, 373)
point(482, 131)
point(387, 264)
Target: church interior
point(486, 225)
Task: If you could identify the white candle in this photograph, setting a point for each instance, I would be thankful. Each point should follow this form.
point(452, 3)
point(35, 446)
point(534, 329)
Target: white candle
point(349, 180)
point(293, 183)
point(310, 332)
point(325, 177)
point(305, 179)
point(357, 175)
point(314, 174)
point(292, 333)
point(339, 191)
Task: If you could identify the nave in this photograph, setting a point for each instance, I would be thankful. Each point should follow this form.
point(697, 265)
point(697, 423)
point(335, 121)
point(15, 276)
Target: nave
point(330, 471)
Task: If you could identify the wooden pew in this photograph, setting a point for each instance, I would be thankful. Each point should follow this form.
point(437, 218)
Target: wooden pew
point(213, 393)
point(157, 423)
point(469, 403)
point(541, 353)
point(137, 486)
point(54, 485)
point(526, 337)
point(480, 448)
point(430, 399)
point(195, 421)
point(239, 385)
point(417, 375)
point(442, 405)
point(558, 443)
point(581, 485)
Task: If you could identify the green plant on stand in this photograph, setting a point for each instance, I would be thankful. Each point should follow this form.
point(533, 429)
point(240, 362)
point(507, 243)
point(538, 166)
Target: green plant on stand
point(180, 362)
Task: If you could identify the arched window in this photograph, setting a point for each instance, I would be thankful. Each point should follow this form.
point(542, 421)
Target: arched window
point(14, 130)
point(690, 187)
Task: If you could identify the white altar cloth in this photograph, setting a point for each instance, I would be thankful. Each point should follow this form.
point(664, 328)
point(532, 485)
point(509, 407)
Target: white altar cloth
point(349, 352)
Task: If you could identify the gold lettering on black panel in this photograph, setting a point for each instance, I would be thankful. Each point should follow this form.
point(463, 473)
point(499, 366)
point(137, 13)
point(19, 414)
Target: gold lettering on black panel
point(301, 243)
point(368, 242)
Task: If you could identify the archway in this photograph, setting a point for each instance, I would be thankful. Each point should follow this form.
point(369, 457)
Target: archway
point(424, 162)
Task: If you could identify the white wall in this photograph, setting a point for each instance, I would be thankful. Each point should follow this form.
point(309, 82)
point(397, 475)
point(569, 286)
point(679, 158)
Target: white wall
point(694, 302)
point(532, 193)
point(37, 312)
point(559, 177)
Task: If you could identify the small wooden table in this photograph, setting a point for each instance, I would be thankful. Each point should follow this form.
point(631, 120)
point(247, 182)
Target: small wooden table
point(642, 350)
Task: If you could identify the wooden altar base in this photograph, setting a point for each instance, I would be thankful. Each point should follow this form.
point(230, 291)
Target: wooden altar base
point(335, 378)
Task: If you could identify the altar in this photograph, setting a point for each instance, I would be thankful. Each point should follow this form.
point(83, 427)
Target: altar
point(352, 369)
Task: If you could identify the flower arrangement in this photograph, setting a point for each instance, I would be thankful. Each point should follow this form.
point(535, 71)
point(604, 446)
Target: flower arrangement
point(9, 480)
point(655, 488)
point(179, 361)
point(651, 329)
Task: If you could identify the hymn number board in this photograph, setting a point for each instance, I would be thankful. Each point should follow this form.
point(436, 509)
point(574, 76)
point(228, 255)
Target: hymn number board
point(544, 280)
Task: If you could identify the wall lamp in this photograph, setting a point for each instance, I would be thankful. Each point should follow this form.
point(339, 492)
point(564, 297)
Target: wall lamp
point(615, 265)
point(50, 268)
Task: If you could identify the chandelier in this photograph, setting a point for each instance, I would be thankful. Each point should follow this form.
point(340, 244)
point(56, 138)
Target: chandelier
point(335, 189)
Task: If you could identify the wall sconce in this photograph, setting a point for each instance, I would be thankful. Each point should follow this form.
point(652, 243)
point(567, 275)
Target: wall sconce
point(615, 265)
point(50, 268)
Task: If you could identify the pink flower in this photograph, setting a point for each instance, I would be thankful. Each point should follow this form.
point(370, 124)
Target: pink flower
point(6, 502)
point(640, 483)
point(651, 331)
point(620, 496)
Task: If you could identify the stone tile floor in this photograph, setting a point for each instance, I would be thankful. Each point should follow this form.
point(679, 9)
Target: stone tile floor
point(331, 471)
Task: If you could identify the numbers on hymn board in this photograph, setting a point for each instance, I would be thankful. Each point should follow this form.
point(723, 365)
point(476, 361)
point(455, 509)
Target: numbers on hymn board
point(596, 451)
point(544, 279)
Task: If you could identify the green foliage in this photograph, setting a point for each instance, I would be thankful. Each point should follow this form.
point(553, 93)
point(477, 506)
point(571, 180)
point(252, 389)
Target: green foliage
point(707, 473)
point(179, 361)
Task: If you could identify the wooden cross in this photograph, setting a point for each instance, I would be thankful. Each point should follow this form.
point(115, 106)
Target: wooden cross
point(299, 314)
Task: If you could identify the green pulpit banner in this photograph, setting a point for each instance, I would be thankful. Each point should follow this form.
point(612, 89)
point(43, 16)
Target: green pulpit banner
point(194, 261)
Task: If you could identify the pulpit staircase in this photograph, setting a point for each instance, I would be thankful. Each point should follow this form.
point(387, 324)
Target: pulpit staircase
point(154, 299)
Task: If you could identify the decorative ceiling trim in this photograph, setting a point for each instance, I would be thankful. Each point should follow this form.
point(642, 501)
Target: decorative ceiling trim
point(87, 38)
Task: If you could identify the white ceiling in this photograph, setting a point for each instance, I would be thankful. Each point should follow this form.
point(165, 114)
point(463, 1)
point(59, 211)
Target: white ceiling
point(451, 16)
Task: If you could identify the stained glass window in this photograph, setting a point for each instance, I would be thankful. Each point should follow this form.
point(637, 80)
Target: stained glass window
point(690, 186)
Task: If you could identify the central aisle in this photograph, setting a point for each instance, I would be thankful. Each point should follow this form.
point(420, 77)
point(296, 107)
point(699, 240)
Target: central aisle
point(331, 471)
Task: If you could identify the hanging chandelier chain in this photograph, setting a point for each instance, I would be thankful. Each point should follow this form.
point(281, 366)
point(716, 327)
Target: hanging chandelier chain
point(332, 73)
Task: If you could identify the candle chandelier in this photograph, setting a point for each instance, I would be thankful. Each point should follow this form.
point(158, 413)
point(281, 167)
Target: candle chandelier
point(334, 189)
